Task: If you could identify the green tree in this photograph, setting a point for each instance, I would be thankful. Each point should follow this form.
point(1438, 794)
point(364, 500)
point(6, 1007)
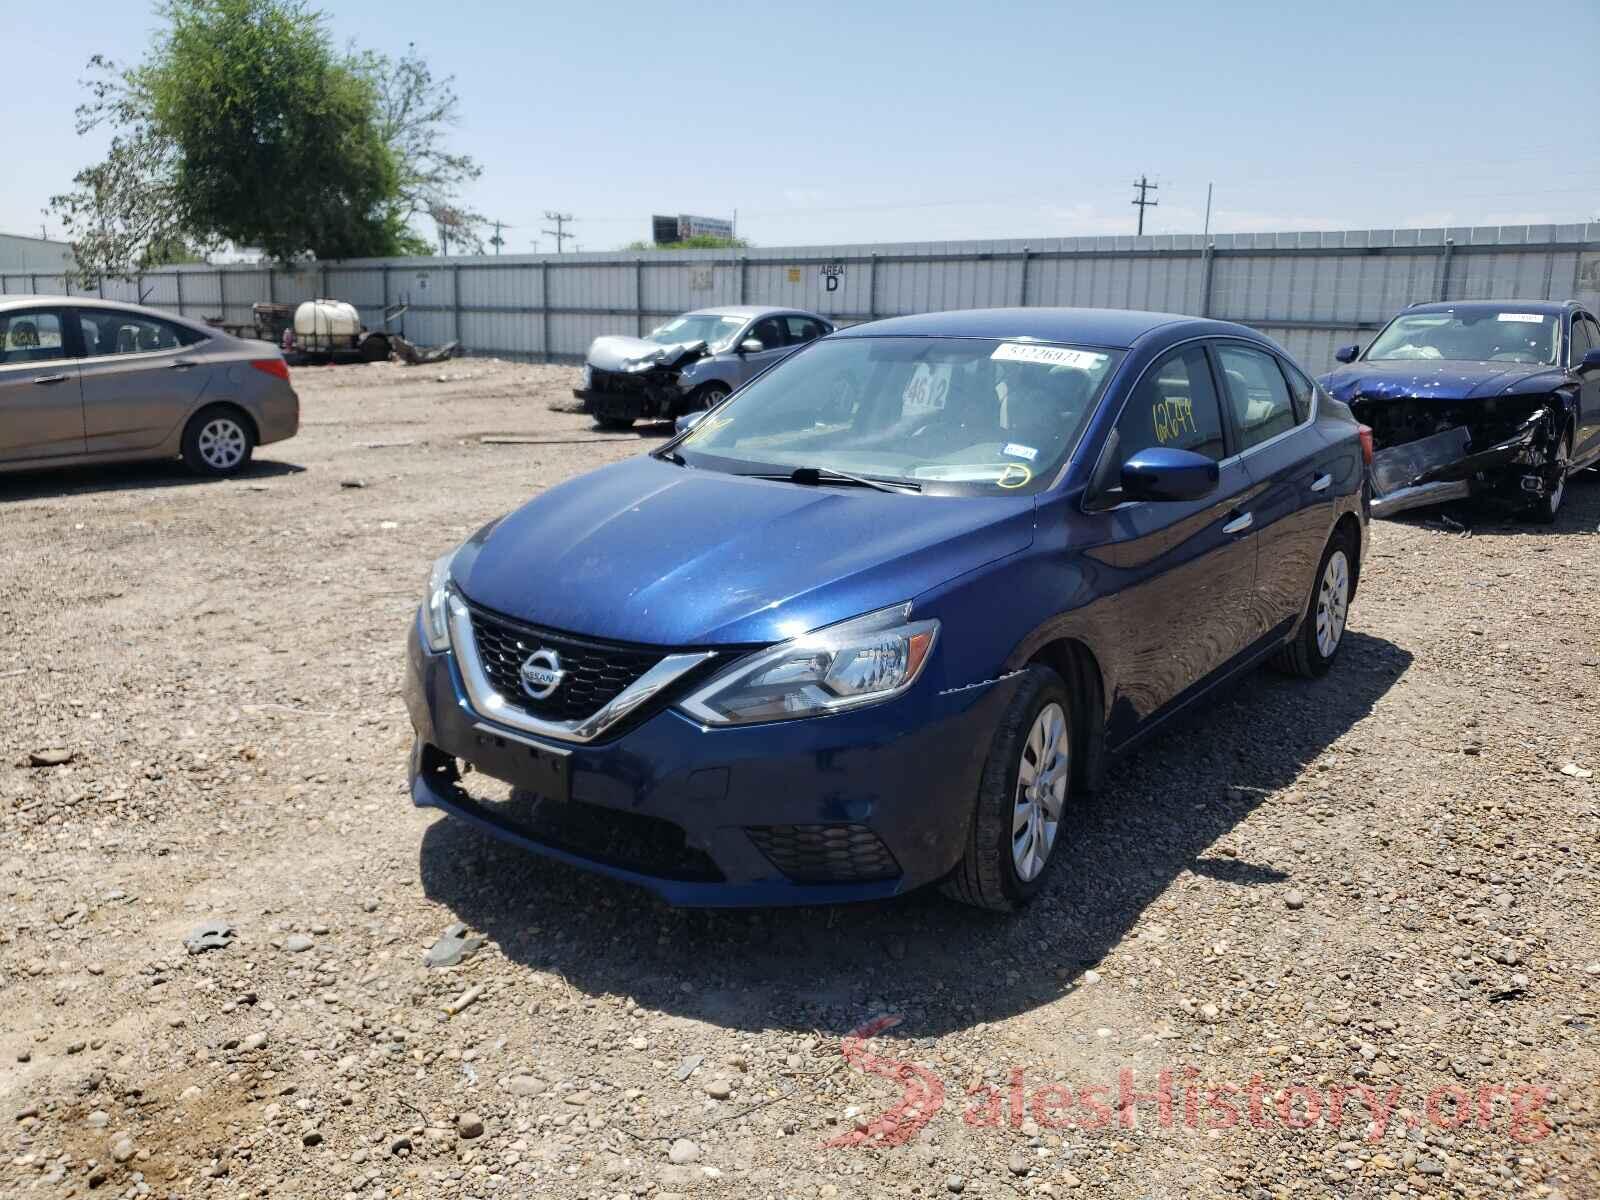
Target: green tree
point(414, 110)
point(242, 124)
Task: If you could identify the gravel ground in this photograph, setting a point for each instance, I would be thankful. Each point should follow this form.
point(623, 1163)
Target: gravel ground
point(1373, 894)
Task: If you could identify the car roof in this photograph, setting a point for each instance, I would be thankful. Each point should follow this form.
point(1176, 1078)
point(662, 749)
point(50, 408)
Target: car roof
point(1529, 306)
point(1116, 328)
point(12, 302)
point(751, 310)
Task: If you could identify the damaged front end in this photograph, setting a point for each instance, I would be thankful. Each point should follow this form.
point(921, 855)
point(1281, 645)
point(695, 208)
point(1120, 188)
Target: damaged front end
point(632, 379)
point(1429, 451)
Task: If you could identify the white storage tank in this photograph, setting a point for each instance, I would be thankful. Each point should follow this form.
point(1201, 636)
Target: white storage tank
point(326, 324)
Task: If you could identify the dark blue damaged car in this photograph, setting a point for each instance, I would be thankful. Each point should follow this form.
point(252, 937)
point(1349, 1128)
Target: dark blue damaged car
point(1499, 398)
point(832, 644)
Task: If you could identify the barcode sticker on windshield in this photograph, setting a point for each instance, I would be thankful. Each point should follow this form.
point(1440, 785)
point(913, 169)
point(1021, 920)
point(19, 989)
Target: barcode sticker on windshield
point(1053, 356)
point(1527, 318)
point(1016, 451)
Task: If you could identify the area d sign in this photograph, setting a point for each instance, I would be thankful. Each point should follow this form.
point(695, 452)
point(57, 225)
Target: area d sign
point(832, 276)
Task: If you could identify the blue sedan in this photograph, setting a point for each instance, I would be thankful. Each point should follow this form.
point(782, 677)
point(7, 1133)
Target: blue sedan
point(816, 650)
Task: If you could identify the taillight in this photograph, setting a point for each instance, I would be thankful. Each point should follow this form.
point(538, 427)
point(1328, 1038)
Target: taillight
point(1366, 444)
point(276, 366)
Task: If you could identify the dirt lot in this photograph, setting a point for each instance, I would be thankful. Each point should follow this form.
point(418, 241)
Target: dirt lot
point(1366, 900)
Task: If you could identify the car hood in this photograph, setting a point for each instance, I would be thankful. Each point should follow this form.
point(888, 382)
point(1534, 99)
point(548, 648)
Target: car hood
point(1436, 379)
point(613, 353)
point(644, 551)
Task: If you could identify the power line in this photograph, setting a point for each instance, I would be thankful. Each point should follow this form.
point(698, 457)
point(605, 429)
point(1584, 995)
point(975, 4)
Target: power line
point(561, 221)
point(1144, 186)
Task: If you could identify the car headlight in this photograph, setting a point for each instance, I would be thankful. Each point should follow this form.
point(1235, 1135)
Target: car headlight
point(860, 661)
point(643, 364)
point(436, 606)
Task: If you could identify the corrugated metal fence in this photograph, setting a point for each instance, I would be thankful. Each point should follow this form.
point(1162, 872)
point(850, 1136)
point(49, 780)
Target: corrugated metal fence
point(1311, 291)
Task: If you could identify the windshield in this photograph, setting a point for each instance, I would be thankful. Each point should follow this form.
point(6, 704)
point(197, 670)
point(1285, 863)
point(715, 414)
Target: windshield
point(955, 415)
point(1483, 336)
point(697, 327)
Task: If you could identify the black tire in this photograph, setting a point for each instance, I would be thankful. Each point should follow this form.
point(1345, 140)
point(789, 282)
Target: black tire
point(709, 396)
point(987, 876)
point(1546, 510)
point(218, 441)
point(1306, 656)
point(375, 349)
point(616, 423)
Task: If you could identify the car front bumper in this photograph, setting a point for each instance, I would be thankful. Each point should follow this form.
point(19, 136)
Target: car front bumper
point(856, 806)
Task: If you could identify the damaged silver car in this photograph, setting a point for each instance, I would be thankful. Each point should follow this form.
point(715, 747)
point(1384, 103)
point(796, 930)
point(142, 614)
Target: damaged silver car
point(691, 363)
point(1494, 398)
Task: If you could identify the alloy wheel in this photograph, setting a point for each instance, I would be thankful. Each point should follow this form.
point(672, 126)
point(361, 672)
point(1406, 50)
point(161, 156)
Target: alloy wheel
point(1333, 603)
point(1041, 794)
point(222, 443)
point(1562, 462)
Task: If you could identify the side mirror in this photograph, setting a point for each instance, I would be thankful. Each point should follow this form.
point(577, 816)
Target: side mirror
point(688, 421)
point(1347, 354)
point(1591, 360)
point(1164, 474)
point(751, 346)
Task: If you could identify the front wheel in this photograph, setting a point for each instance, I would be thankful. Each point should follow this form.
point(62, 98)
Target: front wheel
point(1022, 798)
point(1546, 511)
point(1321, 633)
point(218, 441)
point(708, 397)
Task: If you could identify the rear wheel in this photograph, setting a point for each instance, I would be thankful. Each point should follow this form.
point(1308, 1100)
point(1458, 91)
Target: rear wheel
point(1546, 510)
point(1321, 633)
point(218, 441)
point(1022, 798)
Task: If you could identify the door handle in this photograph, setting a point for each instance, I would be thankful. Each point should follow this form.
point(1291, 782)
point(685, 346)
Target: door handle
point(1240, 523)
point(47, 380)
point(1321, 483)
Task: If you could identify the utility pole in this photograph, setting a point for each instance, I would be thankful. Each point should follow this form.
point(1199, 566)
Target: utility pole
point(561, 220)
point(497, 241)
point(1208, 210)
point(1144, 185)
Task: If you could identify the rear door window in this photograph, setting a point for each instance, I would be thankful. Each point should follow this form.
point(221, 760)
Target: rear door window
point(1258, 395)
point(32, 335)
point(802, 330)
point(107, 332)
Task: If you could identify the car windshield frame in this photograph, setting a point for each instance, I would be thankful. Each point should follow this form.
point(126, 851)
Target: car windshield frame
point(733, 322)
point(1033, 364)
point(1464, 319)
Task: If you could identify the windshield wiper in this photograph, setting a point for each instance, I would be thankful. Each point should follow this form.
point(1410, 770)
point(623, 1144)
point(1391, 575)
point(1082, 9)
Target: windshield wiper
point(673, 457)
point(817, 475)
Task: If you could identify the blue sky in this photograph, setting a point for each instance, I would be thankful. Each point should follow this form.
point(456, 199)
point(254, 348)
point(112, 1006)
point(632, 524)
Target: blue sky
point(934, 120)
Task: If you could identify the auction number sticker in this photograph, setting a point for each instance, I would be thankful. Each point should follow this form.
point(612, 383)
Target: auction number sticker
point(1525, 318)
point(1050, 356)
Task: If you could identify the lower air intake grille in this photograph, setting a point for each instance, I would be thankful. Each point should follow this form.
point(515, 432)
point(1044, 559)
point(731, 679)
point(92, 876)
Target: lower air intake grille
point(648, 845)
point(825, 853)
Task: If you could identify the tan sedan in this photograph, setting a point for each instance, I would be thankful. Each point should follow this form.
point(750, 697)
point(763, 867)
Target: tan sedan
point(90, 381)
